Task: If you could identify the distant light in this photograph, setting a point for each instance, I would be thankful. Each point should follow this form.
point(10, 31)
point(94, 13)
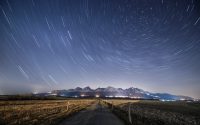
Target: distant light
point(166, 100)
point(135, 97)
point(62, 95)
point(97, 96)
point(35, 92)
point(109, 96)
point(121, 96)
point(82, 95)
point(196, 100)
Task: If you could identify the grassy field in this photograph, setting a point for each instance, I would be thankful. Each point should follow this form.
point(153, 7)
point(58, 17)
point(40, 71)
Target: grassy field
point(155, 112)
point(39, 112)
point(137, 112)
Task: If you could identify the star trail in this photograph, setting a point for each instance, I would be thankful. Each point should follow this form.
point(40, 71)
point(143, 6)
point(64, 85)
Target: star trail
point(61, 44)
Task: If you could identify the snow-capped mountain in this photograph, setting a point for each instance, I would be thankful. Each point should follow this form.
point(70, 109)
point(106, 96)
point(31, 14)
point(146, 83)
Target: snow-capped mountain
point(111, 92)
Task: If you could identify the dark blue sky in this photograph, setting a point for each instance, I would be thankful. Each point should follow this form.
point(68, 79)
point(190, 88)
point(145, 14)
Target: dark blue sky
point(61, 44)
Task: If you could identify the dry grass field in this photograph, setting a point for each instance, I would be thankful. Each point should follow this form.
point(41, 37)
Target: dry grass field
point(156, 112)
point(39, 112)
point(137, 112)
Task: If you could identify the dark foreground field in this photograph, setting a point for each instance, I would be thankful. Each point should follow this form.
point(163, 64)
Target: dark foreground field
point(98, 112)
point(155, 112)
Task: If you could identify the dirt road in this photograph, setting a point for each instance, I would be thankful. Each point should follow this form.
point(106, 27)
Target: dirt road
point(96, 114)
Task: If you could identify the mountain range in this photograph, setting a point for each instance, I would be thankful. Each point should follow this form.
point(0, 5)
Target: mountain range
point(111, 92)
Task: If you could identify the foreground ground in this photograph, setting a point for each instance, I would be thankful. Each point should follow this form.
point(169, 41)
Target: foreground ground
point(40, 112)
point(98, 112)
point(140, 112)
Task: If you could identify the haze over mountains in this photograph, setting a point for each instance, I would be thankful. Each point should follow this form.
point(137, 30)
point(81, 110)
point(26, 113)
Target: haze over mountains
point(111, 92)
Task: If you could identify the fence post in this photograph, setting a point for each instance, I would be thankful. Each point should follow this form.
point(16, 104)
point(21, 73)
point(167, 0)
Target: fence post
point(112, 105)
point(129, 113)
point(67, 105)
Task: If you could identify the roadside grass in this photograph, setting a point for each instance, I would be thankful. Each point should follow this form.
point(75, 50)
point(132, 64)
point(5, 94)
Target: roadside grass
point(39, 112)
point(145, 112)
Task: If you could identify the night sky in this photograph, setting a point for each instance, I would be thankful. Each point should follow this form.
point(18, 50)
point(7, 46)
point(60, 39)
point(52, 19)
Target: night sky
point(60, 44)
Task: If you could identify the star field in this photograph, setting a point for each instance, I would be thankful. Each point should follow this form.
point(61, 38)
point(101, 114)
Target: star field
point(61, 44)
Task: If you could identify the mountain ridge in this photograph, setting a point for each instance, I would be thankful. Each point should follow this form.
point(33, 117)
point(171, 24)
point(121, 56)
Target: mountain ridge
point(112, 92)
